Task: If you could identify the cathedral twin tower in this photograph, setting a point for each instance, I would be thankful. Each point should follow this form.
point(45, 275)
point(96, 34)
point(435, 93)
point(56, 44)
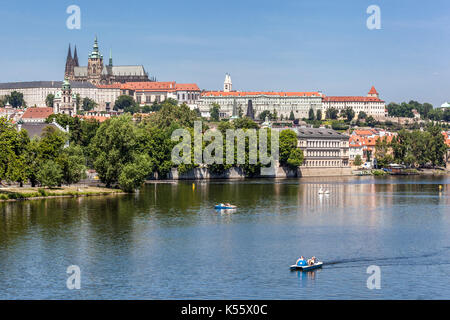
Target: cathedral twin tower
point(97, 73)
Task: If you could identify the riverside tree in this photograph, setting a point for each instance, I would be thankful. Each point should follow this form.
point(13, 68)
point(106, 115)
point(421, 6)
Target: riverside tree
point(290, 154)
point(12, 152)
point(49, 174)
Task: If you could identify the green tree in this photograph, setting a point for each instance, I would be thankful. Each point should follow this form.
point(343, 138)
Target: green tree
point(370, 121)
point(113, 146)
point(214, 112)
point(72, 162)
point(12, 152)
point(49, 174)
point(290, 155)
point(134, 173)
point(295, 158)
point(311, 116)
point(348, 113)
point(89, 104)
point(51, 143)
point(332, 113)
point(49, 100)
point(292, 116)
point(264, 114)
point(319, 114)
point(124, 102)
point(362, 115)
point(436, 145)
point(358, 160)
point(16, 100)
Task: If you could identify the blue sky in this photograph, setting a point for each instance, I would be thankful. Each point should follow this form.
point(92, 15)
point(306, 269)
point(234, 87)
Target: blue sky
point(265, 45)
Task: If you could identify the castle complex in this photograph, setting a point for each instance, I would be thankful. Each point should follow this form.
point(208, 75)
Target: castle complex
point(97, 73)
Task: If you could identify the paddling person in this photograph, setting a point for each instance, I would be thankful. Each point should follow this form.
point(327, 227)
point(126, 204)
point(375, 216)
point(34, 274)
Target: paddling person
point(301, 261)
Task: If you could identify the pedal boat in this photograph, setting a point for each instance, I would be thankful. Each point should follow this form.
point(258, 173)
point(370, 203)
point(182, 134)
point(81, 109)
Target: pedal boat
point(317, 265)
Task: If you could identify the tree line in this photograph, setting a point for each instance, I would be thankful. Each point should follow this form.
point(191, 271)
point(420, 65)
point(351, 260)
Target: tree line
point(122, 151)
point(415, 148)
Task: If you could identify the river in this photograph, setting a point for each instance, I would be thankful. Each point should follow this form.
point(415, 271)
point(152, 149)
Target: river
point(168, 242)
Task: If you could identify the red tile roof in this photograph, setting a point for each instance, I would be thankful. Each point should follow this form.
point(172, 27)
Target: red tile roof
point(169, 86)
point(373, 90)
point(352, 99)
point(98, 118)
point(260, 93)
point(37, 113)
point(186, 87)
point(446, 137)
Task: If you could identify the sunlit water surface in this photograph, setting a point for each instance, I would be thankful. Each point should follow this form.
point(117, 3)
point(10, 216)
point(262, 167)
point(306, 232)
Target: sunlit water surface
point(168, 242)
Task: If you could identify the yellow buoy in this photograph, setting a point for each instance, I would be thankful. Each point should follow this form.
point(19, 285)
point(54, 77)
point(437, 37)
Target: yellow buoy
point(193, 186)
point(440, 187)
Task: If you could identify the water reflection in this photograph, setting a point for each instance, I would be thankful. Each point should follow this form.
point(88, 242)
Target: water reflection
point(128, 244)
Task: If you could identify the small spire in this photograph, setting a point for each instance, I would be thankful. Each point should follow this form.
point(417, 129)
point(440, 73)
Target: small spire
point(69, 54)
point(75, 57)
point(110, 58)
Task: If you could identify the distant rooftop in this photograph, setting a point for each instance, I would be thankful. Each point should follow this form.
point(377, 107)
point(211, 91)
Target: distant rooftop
point(320, 133)
point(43, 84)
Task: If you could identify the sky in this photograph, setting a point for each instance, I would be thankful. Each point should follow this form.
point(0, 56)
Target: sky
point(320, 45)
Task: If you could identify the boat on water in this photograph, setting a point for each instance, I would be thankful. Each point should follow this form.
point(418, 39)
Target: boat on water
point(296, 267)
point(322, 191)
point(226, 206)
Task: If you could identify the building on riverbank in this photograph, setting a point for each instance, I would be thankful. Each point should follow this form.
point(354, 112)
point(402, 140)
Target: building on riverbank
point(323, 148)
point(372, 105)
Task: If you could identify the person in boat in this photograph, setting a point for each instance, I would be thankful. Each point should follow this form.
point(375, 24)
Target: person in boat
point(301, 261)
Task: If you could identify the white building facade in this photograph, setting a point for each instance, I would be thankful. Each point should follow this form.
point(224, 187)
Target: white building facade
point(372, 105)
point(282, 102)
point(35, 92)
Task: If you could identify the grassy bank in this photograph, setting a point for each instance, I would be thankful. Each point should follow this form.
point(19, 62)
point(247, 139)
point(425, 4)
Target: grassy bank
point(16, 193)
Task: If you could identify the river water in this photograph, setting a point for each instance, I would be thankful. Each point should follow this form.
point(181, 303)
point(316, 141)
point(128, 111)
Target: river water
point(168, 242)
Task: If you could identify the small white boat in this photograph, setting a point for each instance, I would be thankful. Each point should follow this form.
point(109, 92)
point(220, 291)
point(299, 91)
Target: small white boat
point(317, 265)
point(322, 191)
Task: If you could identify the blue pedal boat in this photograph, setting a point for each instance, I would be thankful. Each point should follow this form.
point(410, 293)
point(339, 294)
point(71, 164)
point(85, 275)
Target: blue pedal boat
point(224, 207)
point(296, 267)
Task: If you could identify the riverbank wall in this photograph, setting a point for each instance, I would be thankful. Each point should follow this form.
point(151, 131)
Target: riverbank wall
point(238, 173)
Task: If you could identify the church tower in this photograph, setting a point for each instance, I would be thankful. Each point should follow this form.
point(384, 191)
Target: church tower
point(65, 100)
point(373, 93)
point(227, 85)
point(95, 65)
point(75, 58)
point(69, 64)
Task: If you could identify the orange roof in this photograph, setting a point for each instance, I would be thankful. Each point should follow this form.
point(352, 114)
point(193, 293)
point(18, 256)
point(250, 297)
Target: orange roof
point(352, 99)
point(116, 85)
point(186, 86)
point(446, 137)
point(37, 113)
point(367, 132)
point(373, 90)
point(260, 93)
point(98, 118)
point(169, 86)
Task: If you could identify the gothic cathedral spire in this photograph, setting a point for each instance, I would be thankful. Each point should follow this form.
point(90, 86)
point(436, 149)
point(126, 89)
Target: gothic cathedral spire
point(69, 63)
point(75, 58)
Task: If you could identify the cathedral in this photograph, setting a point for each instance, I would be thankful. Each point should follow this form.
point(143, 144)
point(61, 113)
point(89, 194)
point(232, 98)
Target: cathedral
point(97, 73)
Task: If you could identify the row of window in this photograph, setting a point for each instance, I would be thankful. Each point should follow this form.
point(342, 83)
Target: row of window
point(322, 163)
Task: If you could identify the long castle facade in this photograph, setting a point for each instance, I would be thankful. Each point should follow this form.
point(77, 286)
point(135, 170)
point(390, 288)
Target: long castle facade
point(97, 73)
